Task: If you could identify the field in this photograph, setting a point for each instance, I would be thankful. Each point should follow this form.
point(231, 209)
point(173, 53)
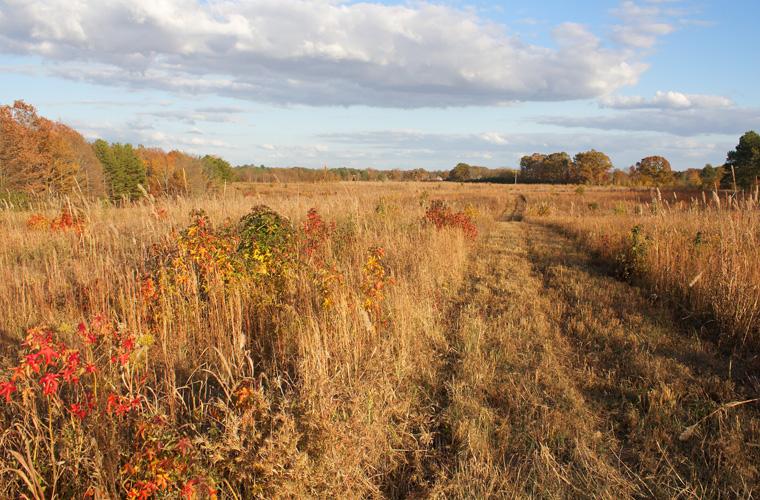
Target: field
point(382, 340)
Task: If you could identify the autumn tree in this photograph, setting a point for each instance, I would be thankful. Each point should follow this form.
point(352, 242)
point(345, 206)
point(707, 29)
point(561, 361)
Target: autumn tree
point(654, 171)
point(745, 159)
point(417, 174)
point(35, 156)
point(90, 177)
point(189, 172)
point(591, 167)
point(462, 172)
point(530, 167)
point(159, 171)
point(689, 178)
point(552, 168)
point(620, 177)
point(558, 168)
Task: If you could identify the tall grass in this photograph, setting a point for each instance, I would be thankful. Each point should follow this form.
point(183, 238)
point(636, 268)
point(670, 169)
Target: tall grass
point(310, 373)
point(700, 251)
point(311, 348)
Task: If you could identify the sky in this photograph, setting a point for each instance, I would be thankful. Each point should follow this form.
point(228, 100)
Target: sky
point(384, 84)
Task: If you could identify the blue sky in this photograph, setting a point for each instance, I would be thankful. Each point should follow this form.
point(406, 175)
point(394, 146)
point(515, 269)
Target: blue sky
point(391, 84)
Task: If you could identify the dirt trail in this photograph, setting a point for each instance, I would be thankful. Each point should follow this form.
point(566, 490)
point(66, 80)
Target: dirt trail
point(564, 382)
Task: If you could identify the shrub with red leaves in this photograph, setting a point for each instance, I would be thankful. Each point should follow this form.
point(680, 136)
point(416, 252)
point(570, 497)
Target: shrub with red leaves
point(66, 221)
point(68, 375)
point(316, 232)
point(37, 221)
point(440, 215)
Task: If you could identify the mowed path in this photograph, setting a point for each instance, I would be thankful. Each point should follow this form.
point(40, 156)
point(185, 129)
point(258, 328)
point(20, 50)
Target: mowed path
point(563, 382)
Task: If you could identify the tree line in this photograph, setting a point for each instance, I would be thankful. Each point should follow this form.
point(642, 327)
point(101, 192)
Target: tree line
point(41, 157)
point(262, 173)
point(740, 171)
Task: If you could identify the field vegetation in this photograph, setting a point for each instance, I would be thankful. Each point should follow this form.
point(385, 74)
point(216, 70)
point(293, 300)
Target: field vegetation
point(382, 340)
point(169, 329)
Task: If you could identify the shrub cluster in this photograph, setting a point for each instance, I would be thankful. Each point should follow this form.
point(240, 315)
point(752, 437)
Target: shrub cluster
point(108, 389)
point(67, 220)
point(441, 215)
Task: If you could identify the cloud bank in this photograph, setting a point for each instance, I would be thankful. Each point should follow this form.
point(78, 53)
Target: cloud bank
point(683, 122)
point(323, 52)
point(667, 100)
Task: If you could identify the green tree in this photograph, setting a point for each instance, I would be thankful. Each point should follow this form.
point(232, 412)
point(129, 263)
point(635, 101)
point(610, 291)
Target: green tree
point(462, 172)
point(710, 176)
point(531, 167)
point(216, 168)
point(113, 175)
point(654, 171)
point(591, 167)
point(745, 159)
point(553, 168)
point(124, 170)
point(558, 168)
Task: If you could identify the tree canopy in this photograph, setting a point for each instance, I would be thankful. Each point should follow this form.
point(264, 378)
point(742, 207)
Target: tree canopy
point(654, 171)
point(124, 170)
point(710, 176)
point(745, 159)
point(36, 154)
point(216, 168)
point(591, 167)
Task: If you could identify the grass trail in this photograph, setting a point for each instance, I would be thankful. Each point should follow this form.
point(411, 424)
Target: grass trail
point(566, 383)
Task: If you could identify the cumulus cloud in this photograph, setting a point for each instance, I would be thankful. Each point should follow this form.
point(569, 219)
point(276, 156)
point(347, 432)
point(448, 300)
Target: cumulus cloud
point(642, 24)
point(322, 52)
point(667, 100)
point(684, 122)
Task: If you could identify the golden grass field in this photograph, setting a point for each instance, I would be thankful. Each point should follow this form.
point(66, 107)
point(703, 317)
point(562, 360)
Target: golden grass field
point(594, 342)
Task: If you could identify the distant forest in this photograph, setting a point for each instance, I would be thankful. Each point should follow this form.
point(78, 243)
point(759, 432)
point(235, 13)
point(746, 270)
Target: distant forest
point(42, 157)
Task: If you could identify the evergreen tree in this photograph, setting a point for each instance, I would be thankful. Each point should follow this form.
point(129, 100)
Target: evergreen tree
point(124, 170)
point(745, 160)
point(711, 176)
point(134, 170)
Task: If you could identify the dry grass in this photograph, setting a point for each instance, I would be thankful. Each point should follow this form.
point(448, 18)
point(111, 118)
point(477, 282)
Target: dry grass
point(700, 251)
point(344, 396)
point(507, 366)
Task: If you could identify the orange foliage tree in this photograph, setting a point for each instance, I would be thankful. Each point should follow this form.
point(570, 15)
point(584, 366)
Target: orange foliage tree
point(172, 173)
point(90, 177)
point(35, 155)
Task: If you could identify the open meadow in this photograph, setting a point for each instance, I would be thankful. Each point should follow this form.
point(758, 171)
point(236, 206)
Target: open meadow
point(386, 339)
point(379, 249)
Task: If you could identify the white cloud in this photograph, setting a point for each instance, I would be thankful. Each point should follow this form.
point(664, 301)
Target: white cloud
point(194, 141)
point(215, 115)
point(320, 52)
point(495, 138)
point(683, 122)
point(642, 25)
point(667, 100)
